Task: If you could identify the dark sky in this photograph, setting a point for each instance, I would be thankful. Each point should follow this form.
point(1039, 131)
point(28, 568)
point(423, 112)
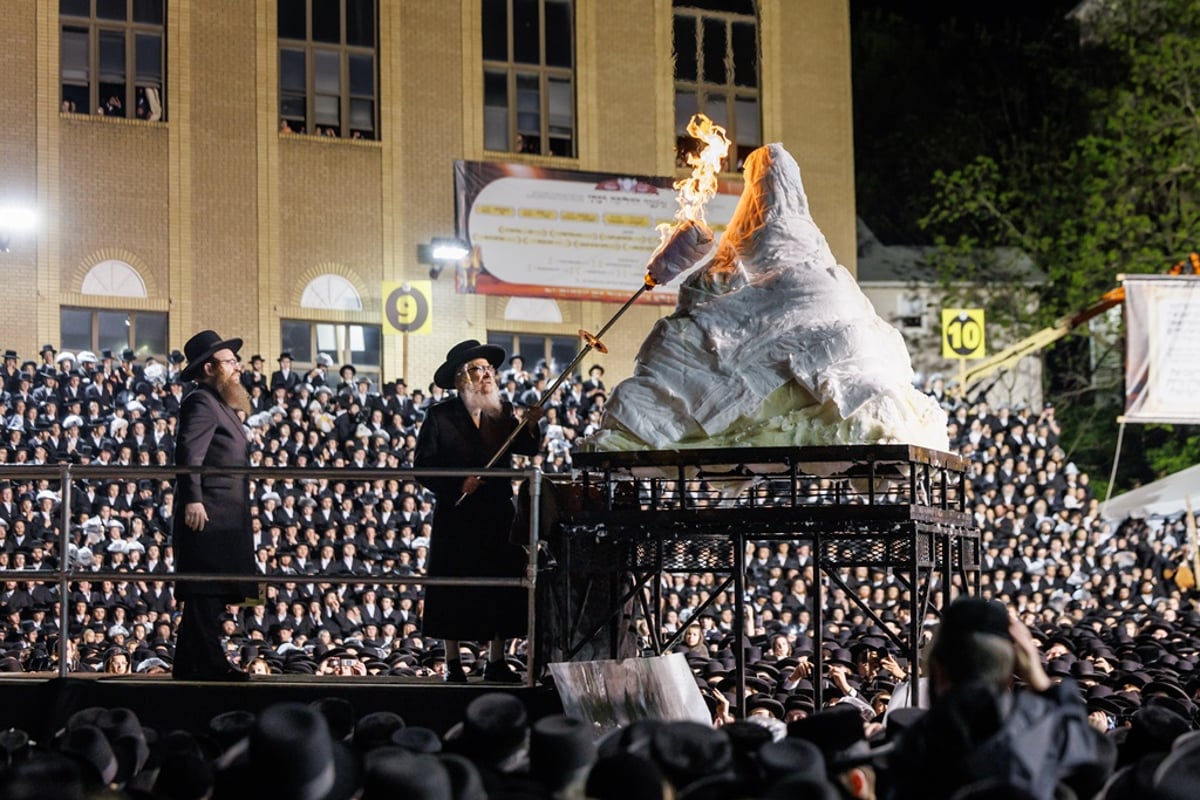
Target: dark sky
point(938, 83)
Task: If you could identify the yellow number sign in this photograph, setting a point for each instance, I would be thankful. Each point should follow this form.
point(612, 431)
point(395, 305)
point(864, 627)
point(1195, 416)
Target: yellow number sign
point(962, 333)
point(406, 307)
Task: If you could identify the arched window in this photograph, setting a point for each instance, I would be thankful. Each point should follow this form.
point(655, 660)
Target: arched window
point(345, 343)
point(331, 292)
point(532, 309)
point(114, 278)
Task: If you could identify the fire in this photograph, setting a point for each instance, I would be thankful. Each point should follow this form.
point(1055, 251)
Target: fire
point(688, 240)
point(699, 187)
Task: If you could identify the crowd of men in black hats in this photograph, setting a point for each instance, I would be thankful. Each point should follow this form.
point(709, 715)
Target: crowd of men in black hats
point(1112, 606)
point(984, 736)
point(122, 411)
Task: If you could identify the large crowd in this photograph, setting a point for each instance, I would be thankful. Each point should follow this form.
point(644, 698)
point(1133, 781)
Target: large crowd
point(1111, 604)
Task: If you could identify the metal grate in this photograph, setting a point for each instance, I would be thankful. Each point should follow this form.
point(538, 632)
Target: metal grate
point(876, 550)
point(695, 554)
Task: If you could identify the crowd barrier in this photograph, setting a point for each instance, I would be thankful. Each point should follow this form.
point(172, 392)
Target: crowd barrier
point(64, 475)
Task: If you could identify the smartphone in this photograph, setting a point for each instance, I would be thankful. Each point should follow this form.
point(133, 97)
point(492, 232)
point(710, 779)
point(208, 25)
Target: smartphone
point(349, 662)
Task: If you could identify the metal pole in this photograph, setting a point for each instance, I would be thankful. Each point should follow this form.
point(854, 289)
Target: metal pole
point(739, 612)
point(916, 623)
point(593, 341)
point(64, 539)
point(818, 618)
point(535, 500)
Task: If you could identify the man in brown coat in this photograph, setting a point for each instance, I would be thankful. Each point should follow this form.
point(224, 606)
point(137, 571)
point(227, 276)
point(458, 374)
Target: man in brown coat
point(211, 528)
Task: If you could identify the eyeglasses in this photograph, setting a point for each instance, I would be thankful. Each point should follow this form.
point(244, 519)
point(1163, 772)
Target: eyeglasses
point(227, 360)
point(479, 370)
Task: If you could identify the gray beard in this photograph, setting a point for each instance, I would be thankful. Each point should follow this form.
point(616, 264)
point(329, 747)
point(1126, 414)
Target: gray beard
point(489, 405)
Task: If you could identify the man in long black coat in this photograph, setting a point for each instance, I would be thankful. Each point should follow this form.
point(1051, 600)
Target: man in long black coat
point(211, 528)
point(471, 538)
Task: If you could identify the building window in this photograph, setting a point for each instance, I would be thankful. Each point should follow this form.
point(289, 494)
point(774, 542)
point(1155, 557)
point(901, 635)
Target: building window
point(331, 292)
point(97, 329)
point(529, 76)
point(716, 72)
point(345, 343)
point(113, 278)
point(550, 353)
point(112, 57)
point(910, 312)
point(328, 68)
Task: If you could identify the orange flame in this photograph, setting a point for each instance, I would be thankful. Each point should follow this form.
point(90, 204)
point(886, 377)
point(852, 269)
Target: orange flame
point(698, 188)
point(695, 190)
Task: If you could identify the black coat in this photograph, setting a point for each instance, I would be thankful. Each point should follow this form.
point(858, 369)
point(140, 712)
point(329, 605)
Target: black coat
point(289, 381)
point(472, 539)
point(211, 435)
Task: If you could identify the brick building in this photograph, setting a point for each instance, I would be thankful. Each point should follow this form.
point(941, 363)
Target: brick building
point(263, 167)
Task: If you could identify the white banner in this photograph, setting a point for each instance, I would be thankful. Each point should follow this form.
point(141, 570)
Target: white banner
point(543, 232)
point(1162, 361)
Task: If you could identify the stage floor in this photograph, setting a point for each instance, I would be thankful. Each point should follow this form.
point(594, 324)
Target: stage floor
point(41, 705)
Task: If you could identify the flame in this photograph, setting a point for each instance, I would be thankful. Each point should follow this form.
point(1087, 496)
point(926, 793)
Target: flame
point(694, 191)
point(698, 188)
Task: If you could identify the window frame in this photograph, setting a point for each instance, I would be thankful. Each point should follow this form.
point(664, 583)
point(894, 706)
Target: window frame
point(728, 90)
point(534, 347)
point(95, 26)
point(311, 47)
point(546, 74)
point(131, 322)
point(341, 355)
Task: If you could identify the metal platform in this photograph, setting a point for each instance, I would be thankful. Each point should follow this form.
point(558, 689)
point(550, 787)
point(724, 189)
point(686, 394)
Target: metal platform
point(895, 508)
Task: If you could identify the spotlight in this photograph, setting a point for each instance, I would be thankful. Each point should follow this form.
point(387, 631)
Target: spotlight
point(440, 252)
point(14, 220)
point(445, 249)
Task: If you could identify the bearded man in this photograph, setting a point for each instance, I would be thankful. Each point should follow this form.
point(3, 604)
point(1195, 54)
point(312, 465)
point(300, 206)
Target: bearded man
point(211, 527)
point(471, 537)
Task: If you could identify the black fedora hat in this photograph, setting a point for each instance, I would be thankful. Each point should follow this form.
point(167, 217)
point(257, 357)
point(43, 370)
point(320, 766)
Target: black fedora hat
point(289, 752)
point(460, 354)
point(561, 751)
point(494, 731)
point(201, 347)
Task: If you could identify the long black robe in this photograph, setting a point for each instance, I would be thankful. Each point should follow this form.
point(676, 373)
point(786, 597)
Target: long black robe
point(472, 539)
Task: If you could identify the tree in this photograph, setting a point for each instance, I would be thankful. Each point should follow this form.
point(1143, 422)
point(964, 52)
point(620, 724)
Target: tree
point(1118, 197)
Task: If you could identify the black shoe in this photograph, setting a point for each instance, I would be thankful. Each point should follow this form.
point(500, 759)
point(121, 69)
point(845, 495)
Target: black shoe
point(500, 672)
point(455, 672)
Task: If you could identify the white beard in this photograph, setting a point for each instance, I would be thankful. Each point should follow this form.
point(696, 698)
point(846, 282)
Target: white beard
point(480, 402)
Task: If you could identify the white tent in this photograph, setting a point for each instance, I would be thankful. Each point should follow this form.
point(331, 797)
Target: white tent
point(1165, 497)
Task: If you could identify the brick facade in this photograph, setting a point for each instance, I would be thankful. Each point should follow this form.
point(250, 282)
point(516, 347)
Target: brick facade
point(226, 218)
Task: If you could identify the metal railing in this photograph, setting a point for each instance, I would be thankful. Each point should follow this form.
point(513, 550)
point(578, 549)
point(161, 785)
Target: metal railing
point(65, 572)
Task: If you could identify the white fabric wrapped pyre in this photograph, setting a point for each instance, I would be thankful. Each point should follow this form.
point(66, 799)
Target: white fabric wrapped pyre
point(772, 343)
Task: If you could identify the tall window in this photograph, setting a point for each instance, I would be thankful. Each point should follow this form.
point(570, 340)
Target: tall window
point(112, 55)
point(96, 329)
point(529, 76)
point(716, 70)
point(359, 345)
point(328, 83)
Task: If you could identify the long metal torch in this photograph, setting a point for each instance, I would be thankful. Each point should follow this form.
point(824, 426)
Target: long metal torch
point(592, 342)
